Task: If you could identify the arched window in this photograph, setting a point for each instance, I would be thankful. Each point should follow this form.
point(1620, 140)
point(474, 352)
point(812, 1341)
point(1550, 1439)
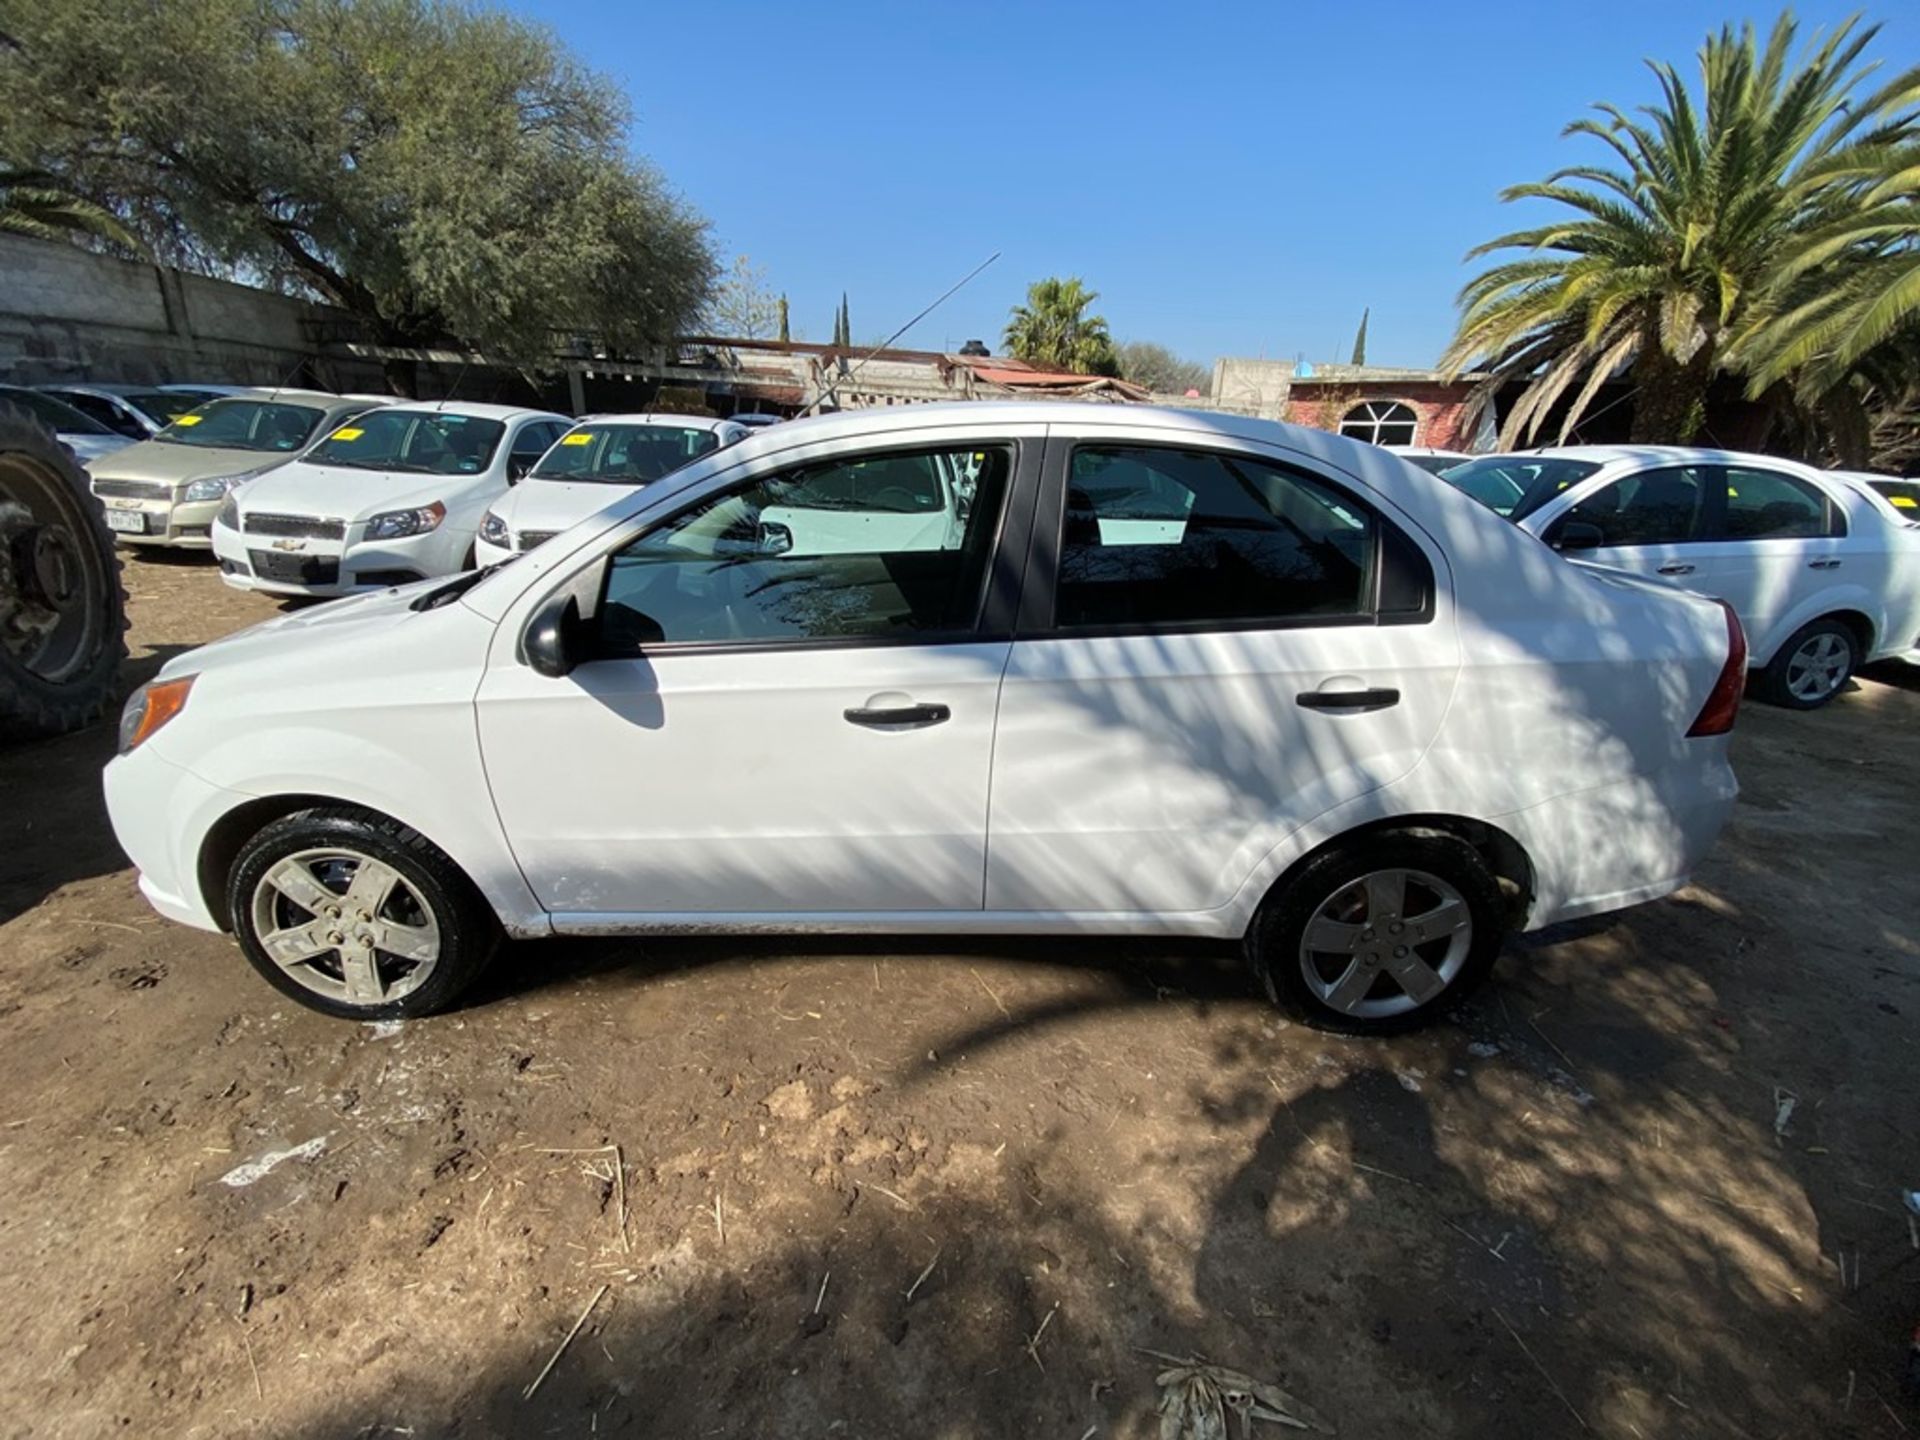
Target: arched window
point(1380, 422)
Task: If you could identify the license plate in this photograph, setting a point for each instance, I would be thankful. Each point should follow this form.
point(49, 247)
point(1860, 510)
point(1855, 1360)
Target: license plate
point(130, 522)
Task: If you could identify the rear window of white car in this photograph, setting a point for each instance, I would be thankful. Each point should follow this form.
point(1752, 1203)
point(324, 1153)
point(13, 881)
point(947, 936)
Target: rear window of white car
point(244, 425)
point(624, 454)
point(415, 442)
point(1517, 485)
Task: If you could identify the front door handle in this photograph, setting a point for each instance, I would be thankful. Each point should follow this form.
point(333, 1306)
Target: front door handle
point(1358, 700)
point(1676, 569)
point(1823, 564)
point(899, 717)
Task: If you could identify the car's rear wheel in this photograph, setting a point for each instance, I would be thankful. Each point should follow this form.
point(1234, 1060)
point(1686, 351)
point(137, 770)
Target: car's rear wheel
point(355, 915)
point(1379, 934)
point(1813, 666)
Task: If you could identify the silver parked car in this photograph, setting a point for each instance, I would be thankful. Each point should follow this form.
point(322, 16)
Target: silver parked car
point(138, 412)
point(167, 490)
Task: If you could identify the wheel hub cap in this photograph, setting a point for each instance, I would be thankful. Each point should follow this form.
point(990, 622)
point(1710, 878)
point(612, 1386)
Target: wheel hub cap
point(346, 925)
point(1386, 944)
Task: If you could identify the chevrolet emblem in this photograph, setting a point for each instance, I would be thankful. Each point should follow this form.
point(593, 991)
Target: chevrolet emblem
point(289, 545)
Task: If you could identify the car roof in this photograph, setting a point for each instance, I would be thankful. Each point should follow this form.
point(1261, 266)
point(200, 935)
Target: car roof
point(657, 417)
point(880, 421)
point(473, 409)
point(1653, 454)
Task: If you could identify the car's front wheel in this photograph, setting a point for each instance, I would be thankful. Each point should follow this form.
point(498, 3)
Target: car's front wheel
point(356, 915)
point(1378, 934)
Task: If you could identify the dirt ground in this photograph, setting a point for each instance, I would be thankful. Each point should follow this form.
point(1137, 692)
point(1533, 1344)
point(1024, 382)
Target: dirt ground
point(874, 1190)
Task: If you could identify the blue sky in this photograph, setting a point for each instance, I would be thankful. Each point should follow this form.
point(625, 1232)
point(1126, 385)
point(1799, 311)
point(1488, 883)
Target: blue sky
point(1234, 179)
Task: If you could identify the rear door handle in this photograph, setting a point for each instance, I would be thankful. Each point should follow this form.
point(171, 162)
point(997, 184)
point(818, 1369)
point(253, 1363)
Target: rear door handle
point(1823, 564)
point(1346, 699)
point(900, 717)
point(1676, 569)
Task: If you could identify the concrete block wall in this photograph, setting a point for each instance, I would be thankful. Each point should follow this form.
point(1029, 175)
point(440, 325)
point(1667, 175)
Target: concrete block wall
point(67, 314)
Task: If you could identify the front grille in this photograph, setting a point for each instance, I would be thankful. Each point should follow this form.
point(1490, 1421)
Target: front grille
point(310, 526)
point(133, 489)
point(295, 569)
point(531, 538)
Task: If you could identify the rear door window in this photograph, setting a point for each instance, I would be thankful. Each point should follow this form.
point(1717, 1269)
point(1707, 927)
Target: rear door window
point(1159, 537)
point(1767, 505)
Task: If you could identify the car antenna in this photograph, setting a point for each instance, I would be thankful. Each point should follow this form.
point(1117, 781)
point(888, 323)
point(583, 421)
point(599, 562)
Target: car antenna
point(828, 393)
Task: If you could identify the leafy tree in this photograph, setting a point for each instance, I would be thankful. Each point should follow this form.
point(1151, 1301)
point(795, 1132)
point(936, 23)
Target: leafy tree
point(1054, 330)
point(1767, 208)
point(436, 170)
point(33, 202)
point(742, 308)
point(1360, 338)
point(1160, 370)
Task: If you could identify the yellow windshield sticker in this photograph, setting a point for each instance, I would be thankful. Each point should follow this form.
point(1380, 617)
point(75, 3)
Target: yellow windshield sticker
point(188, 420)
point(348, 432)
point(582, 439)
point(1905, 502)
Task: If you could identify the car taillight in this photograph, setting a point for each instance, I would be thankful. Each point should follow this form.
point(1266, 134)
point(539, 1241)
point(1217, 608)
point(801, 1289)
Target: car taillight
point(1723, 701)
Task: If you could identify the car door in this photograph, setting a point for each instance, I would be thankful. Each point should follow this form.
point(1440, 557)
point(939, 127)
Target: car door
point(1773, 541)
point(1651, 521)
point(772, 729)
point(1215, 647)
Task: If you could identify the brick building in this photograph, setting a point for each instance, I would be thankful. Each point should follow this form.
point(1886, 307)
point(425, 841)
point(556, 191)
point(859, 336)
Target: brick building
point(1382, 404)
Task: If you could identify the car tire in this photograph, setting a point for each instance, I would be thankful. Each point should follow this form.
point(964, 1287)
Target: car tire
point(1812, 667)
point(1361, 975)
point(292, 894)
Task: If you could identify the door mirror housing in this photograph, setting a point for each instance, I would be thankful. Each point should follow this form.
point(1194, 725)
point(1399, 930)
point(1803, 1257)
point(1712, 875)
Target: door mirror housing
point(1577, 535)
point(518, 466)
point(554, 642)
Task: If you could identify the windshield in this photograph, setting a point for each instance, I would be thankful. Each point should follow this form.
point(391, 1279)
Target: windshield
point(62, 417)
point(244, 425)
point(623, 454)
point(1903, 495)
point(1517, 485)
point(894, 484)
point(412, 442)
point(163, 407)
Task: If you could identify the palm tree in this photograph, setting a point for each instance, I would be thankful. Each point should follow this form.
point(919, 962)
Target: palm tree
point(1678, 266)
point(1053, 329)
point(33, 202)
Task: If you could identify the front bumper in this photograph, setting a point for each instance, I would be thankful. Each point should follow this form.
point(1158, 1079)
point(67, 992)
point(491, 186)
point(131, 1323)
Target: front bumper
point(322, 568)
point(182, 525)
point(161, 815)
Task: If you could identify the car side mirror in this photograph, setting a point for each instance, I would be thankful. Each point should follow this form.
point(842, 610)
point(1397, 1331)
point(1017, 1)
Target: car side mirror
point(1577, 535)
point(553, 642)
point(518, 466)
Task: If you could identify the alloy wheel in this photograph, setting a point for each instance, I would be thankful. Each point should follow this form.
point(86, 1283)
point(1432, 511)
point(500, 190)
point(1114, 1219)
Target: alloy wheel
point(346, 926)
point(1386, 944)
point(1819, 667)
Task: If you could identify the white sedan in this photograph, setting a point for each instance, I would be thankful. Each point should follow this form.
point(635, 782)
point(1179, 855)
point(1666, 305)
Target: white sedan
point(392, 496)
point(1172, 674)
point(589, 468)
point(1823, 577)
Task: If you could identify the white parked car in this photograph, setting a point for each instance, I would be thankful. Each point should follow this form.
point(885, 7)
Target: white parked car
point(1429, 458)
point(1898, 498)
point(396, 495)
point(1823, 578)
point(1323, 703)
point(589, 468)
point(86, 437)
point(166, 491)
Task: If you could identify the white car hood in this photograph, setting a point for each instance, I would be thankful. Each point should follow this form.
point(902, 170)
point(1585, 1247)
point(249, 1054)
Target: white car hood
point(557, 505)
point(340, 492)
point(352, 620)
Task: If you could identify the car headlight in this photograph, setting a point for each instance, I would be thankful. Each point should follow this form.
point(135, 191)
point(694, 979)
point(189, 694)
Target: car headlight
point(150, 707)
point(213, 487)
point(229, 515)
point(493, 530)
point(398, 524)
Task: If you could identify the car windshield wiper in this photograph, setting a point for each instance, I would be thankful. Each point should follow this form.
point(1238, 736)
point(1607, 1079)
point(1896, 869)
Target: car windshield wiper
point(456, 587)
